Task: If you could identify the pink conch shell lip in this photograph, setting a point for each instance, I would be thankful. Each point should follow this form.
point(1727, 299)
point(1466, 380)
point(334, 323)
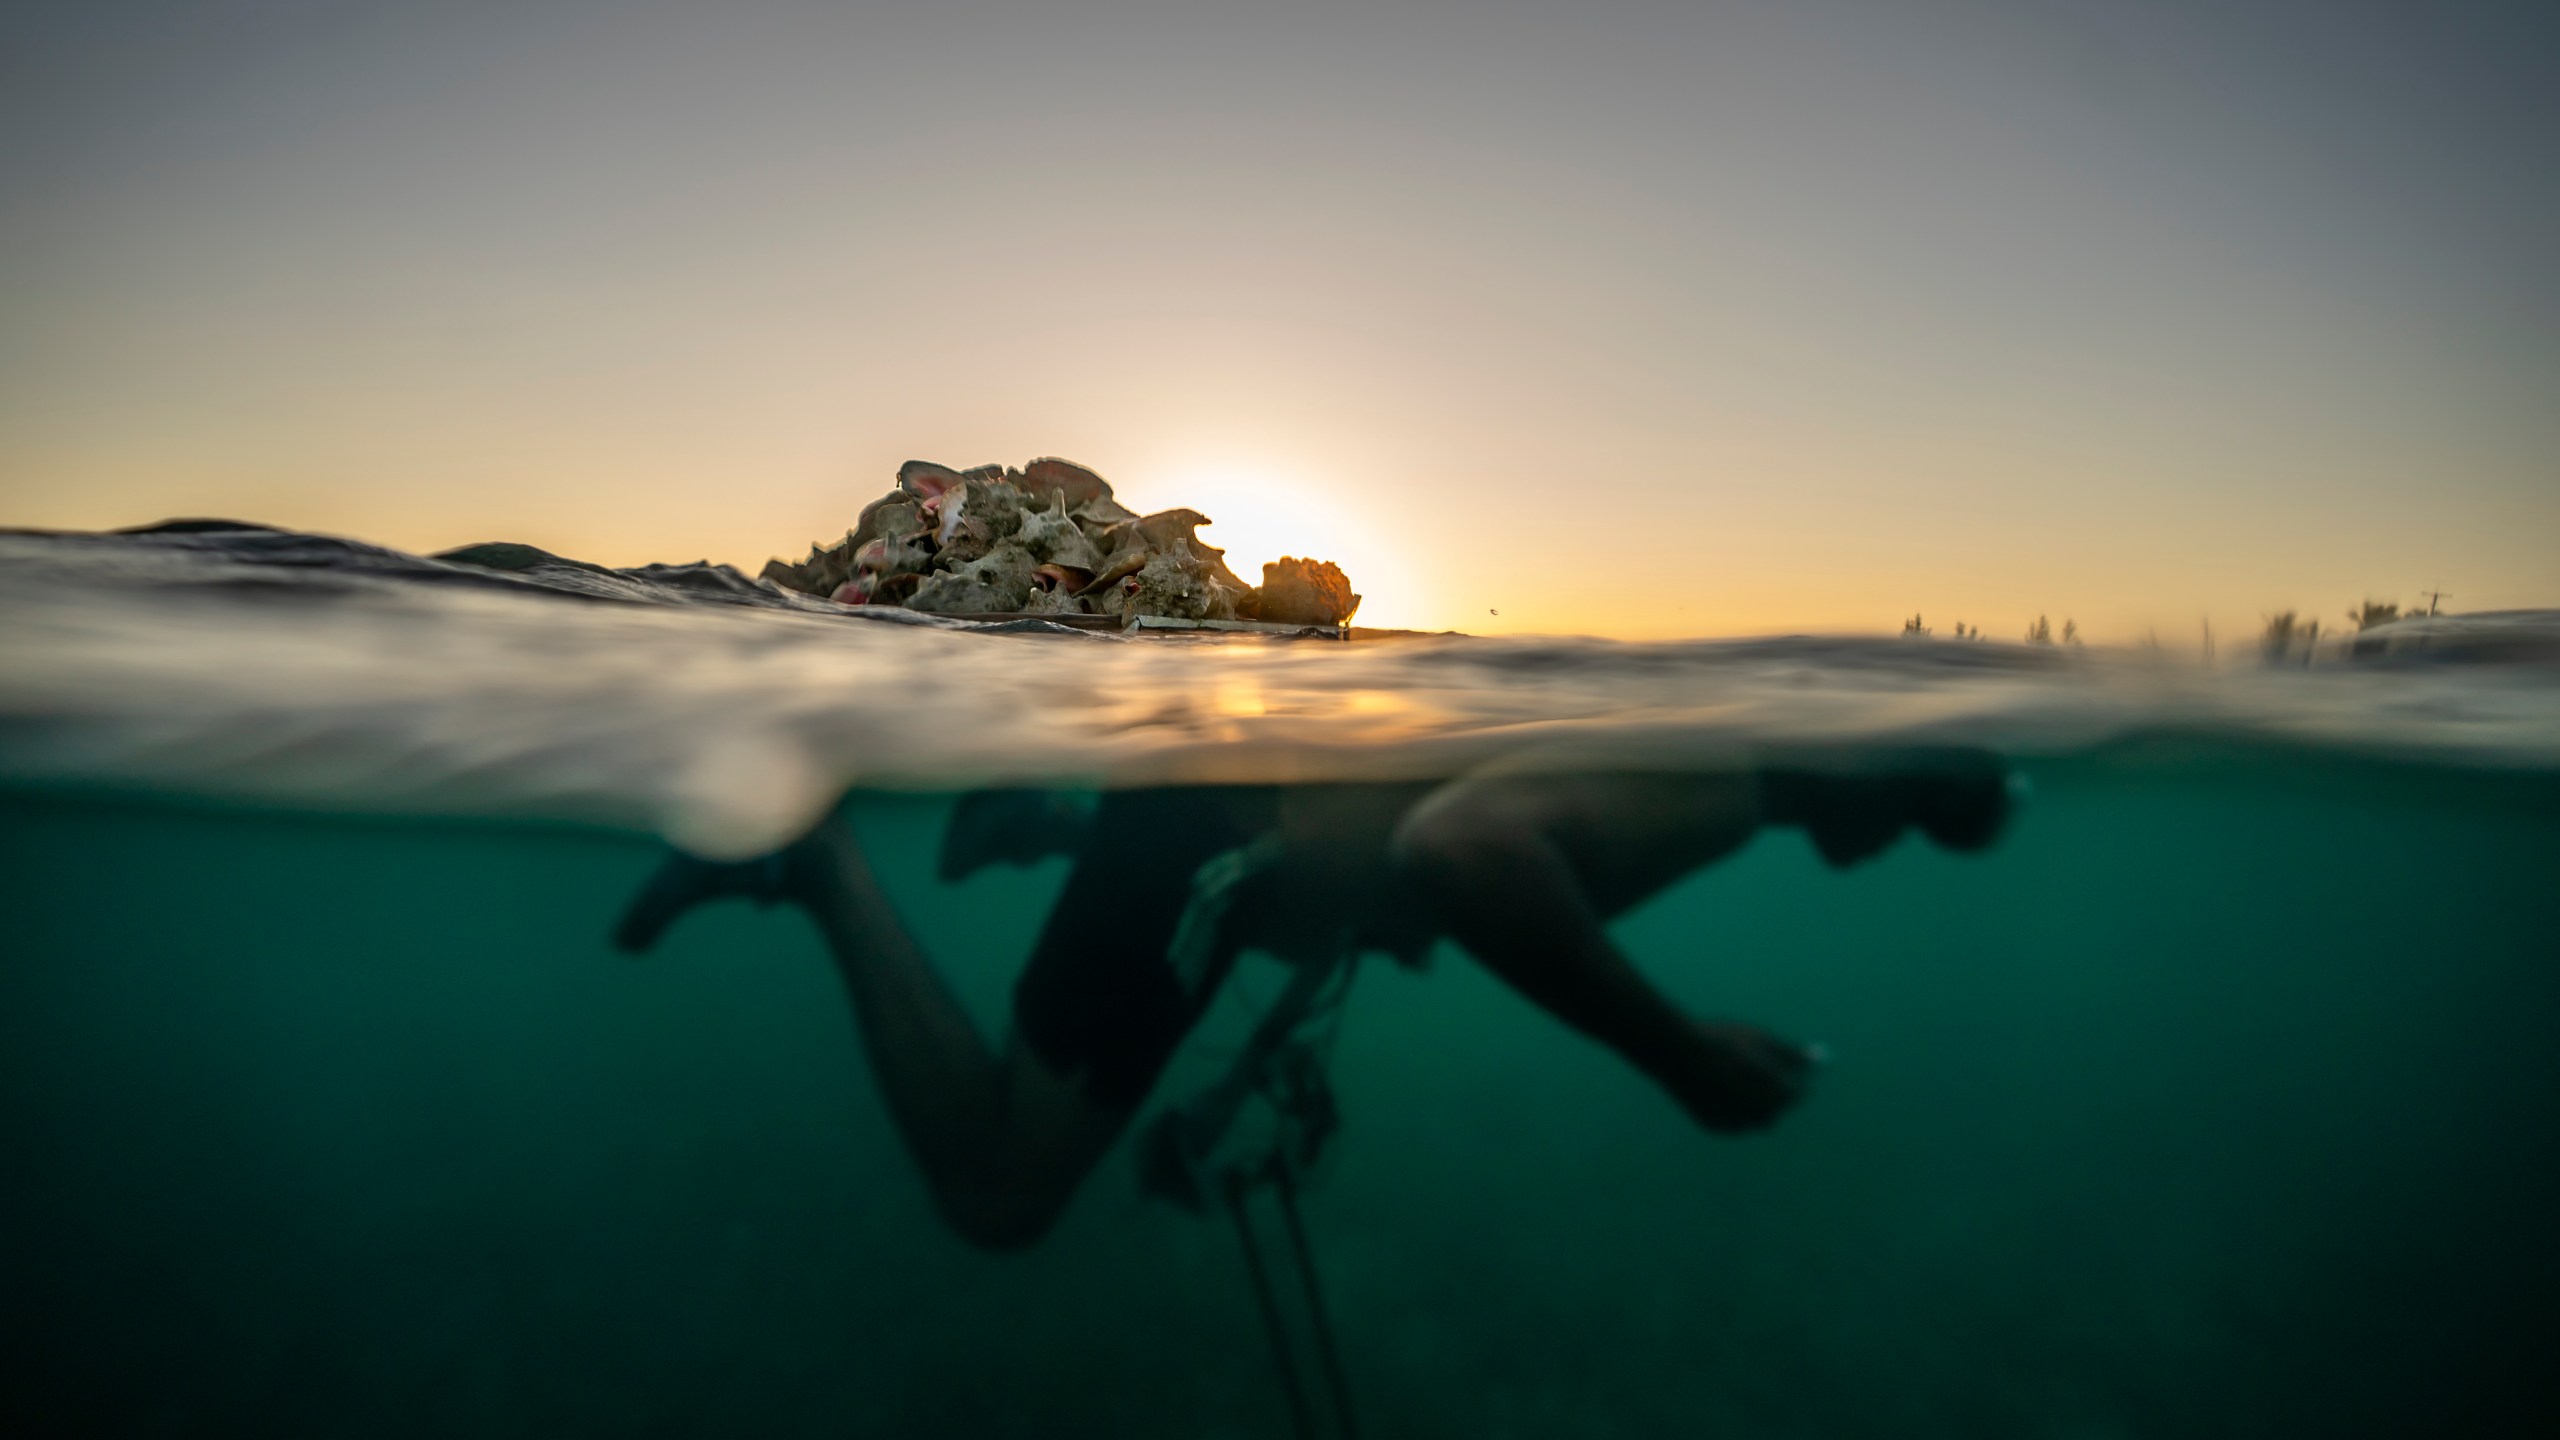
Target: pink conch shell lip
point(926, 480)
point(1070, 482)
point(1120, 569)
point(951, 514)
point(1053, 576)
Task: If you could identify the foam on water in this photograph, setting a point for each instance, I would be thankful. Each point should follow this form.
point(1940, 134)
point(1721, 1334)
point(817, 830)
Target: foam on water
point(725, 714)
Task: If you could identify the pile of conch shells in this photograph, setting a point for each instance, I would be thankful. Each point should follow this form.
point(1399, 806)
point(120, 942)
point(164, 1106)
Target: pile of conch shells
point(1048, 539)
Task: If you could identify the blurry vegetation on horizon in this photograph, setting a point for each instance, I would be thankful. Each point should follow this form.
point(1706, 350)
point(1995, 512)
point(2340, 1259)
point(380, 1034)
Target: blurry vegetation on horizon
point(2287, 634)
point(2041, 632)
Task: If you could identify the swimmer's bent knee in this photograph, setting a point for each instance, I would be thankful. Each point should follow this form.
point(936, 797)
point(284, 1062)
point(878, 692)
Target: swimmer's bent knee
point(1450, 834)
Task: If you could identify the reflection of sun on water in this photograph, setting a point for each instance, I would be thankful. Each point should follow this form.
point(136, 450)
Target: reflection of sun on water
point(1257, 518)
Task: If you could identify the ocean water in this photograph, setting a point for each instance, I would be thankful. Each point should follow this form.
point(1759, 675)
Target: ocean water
point(2219, 1099)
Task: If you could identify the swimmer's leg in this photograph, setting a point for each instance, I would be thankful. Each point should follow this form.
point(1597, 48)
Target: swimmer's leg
point(1525, 871)
point(1002, 1140)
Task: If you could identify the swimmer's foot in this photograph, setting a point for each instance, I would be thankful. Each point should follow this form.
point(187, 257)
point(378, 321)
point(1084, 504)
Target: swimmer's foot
point(684, 882)
point(1737, 1078)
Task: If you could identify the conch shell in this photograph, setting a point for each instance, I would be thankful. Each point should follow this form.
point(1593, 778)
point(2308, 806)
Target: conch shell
point(1049, 537)
point(999, 580)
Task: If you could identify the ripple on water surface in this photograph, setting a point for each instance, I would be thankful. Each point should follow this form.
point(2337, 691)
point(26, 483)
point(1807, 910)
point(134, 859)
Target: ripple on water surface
point(725, 714)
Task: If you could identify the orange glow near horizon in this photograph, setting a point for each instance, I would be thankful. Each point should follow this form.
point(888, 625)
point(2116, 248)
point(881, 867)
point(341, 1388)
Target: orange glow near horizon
point(1679, 325)
point(1256, 517)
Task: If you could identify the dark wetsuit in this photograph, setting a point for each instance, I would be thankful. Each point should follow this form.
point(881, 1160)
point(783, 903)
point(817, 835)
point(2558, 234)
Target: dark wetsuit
point(1101, 1000)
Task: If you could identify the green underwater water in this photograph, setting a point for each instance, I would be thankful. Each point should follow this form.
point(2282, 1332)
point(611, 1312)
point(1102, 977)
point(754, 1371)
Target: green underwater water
point(2222, 1099)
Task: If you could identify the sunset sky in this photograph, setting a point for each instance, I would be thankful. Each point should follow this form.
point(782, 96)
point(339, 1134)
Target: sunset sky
point(1638, 319)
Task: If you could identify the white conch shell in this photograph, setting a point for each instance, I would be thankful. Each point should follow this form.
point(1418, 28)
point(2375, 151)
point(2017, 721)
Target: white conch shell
point(999, 580)
point(1051, 536)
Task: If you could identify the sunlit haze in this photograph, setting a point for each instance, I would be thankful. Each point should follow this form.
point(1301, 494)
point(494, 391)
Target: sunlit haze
point(1643, 320)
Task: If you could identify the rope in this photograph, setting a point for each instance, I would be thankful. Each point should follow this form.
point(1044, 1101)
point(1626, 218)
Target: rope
point(1283, 1180)
point(1325, 1351)
point(1287, 1072)
point(1271, 1323)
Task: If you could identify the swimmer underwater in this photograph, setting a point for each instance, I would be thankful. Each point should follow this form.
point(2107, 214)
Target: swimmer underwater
point(1523, 871)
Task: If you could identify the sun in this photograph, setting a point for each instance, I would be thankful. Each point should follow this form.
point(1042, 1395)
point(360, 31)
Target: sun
point(1258, 516)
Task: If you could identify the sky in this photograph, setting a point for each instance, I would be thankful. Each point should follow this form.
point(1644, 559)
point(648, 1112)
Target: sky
point(1631, 319)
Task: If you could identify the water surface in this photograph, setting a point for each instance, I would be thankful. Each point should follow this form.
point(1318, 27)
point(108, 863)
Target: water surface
point(2218, 1100)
